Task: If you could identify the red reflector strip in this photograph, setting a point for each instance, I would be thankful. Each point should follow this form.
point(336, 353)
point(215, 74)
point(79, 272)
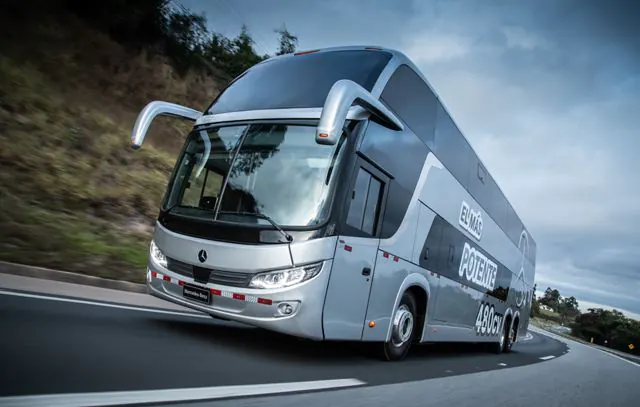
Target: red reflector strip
point(385, 255)
point(348, 248)
point(220, 293)
point(305, 52)
point(323, 135)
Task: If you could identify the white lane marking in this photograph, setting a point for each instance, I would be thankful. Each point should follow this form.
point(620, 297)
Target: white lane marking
point(171, 395)
point(565, 339)
point(527, 337)
point(616, 356)
point(547, 357)
point(103, 304)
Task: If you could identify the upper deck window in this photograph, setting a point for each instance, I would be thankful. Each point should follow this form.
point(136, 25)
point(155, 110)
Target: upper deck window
point(412, 99)
point(301, 81)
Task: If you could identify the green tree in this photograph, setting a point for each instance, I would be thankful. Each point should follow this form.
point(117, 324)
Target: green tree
point(608, 325)
point(160, 26)
point(535, 303)
point(568, 309)
point(187, 38)
point(287, 42)
point(136, 24)
point(238, 53)
point(551, 298)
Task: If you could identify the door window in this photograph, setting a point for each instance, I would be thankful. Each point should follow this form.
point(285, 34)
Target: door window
point(365, 203)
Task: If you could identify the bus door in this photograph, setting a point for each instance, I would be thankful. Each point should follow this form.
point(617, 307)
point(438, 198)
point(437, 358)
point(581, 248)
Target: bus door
point(351, 277)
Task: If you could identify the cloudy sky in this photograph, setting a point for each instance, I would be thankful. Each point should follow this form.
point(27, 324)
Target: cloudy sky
point(548, 94)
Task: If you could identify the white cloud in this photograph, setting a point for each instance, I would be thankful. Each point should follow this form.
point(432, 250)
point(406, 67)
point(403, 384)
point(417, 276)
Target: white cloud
point(433, 47)
point(562, 155)
point(518, 37)
point(585, 305)
point(555, 179)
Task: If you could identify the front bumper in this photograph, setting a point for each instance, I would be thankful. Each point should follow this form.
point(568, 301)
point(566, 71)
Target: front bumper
point(252, 306)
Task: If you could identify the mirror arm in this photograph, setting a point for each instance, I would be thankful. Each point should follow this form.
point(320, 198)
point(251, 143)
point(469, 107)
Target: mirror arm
point(343, 94)
point(154, 109)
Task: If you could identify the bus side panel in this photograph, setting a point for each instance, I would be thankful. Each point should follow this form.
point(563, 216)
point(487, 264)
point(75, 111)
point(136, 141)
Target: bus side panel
point(392, 277)
point(446, 197)
point(474, 317)
point(399, 269)
point(349, 288)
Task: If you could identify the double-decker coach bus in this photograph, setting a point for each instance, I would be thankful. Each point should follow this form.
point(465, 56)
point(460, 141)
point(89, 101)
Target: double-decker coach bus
point(329, 195)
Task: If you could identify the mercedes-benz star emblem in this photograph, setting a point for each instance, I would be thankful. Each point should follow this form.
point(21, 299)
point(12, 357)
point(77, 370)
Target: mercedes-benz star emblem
point(202, 256)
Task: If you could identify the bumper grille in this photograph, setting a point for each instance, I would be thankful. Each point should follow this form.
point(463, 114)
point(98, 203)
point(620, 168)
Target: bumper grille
point(228, 278)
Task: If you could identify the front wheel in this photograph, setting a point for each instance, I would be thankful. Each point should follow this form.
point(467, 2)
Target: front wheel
point(402, 330)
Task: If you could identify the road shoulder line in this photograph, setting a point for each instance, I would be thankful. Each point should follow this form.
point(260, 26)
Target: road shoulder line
point(173, 395)
point(69, 277)
point(102, 304)
point(566, 340)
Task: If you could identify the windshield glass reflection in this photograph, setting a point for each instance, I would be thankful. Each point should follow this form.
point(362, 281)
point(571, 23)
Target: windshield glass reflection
point(274, 170)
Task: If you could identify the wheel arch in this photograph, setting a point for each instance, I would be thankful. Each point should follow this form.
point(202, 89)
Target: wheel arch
point(418, 285)
point(515, 321)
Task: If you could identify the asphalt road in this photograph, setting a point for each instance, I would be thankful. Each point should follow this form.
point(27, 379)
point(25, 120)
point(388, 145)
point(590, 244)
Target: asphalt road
point(67, 347)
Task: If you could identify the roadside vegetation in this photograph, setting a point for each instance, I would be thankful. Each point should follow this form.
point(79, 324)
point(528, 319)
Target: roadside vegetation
point(73, 77)
point(608, 328)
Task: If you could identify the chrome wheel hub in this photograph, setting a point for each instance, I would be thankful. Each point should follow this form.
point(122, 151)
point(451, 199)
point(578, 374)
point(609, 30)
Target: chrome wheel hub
point(402, 326)
point(502, 338)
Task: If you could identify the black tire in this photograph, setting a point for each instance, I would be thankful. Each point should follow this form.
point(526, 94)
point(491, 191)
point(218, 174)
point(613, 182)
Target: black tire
point(501, 345)
point(394, 350)
point(511, 337)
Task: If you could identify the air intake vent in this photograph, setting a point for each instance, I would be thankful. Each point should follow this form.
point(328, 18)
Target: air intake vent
point(228, 278)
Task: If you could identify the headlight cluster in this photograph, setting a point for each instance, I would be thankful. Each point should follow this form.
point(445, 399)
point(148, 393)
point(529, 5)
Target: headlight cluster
point(157, 255)
point(285, 278)
point(267, 280)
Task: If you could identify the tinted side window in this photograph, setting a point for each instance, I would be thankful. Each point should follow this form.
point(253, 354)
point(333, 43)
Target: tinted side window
point(384, 146)
point(452, 148)
point(410, 97)
point(300, 81)
point(365, 202)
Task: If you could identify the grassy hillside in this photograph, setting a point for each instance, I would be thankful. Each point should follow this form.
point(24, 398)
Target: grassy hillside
point(73, 194)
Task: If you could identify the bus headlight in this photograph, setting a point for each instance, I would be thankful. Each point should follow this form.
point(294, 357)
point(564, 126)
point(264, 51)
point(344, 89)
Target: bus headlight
point(157, 255)
point(284, 278)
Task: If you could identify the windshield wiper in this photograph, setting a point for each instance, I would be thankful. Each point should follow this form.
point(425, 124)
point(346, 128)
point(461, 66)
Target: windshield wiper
point(262, 216)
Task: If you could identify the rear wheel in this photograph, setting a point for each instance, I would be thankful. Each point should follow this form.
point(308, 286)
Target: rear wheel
point(511, 338)
point(403, 324)
point(501, 345)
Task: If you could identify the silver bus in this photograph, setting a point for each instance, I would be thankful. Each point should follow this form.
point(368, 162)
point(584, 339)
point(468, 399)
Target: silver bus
point(329, 195)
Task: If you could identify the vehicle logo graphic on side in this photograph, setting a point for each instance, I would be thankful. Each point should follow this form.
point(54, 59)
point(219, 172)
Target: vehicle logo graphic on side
point(470, 220)
point(202, 256)
point(521, 290)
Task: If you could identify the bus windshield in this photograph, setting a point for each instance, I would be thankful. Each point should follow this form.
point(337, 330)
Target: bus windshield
point(276, 171)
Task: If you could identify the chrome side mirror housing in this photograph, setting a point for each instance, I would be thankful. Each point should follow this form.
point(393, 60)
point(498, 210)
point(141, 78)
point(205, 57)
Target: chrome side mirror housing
point(343, 94)
point(154, 109)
